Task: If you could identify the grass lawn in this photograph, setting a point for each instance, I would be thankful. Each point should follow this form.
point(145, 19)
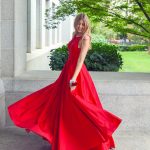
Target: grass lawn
point(137, 61)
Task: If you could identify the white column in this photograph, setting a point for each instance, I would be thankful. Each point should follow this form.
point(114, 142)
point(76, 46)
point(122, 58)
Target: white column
point(71, 25)
point(59, 32)
point(31, 25)
point(67, 29)
point(40, 43)
point(48, 31)
point(54, 31)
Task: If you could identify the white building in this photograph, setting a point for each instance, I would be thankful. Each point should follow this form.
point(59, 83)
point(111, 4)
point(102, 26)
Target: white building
point(39, 39)
point(24, 37)
point(25, 43)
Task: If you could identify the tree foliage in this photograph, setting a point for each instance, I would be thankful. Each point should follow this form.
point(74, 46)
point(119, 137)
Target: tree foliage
point(126, 16)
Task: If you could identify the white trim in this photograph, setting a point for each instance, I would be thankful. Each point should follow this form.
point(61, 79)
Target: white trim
point(38, 52)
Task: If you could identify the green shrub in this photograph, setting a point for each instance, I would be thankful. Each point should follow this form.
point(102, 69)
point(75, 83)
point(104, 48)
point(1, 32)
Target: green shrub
point(134, 47)
point(58, 58)
point(102, 57)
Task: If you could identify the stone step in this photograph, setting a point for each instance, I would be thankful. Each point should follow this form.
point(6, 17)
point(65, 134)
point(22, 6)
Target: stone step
point(106, 83)
point(134, 110)
point(126, 96)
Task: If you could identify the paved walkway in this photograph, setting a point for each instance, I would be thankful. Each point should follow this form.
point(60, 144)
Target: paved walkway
point(18, 139)
point(13, 138)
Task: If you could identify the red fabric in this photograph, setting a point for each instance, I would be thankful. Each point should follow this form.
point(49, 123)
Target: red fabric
point(69, 120)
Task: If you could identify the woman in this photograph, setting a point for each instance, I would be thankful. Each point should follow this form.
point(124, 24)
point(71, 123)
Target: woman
point(68, 113)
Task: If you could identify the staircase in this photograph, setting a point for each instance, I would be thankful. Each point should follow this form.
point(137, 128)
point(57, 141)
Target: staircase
point(126, 95)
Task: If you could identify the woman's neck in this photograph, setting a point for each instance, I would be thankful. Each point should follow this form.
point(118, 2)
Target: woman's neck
point(79, 34)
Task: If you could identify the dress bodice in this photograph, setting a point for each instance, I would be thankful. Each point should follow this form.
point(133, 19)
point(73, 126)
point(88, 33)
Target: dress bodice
point(73, 48)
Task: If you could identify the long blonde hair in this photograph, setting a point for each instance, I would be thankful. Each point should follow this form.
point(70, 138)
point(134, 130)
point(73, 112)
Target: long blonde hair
point(85, 19)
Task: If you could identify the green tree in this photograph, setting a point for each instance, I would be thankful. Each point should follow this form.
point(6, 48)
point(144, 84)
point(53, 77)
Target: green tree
point(126, 16)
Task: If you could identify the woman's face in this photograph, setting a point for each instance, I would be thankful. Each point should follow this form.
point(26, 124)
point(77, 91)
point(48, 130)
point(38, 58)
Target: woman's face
point(80, 27)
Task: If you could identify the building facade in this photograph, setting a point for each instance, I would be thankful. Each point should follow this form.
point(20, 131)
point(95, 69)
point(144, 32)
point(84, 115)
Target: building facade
point(24, 37)
point(25, 42)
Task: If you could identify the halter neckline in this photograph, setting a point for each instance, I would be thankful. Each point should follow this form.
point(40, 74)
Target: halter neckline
point(78, 36)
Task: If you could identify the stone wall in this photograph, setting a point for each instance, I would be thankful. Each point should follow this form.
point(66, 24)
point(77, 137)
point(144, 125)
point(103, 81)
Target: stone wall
point(120, 94)
point(7, 38)
point(2, 91)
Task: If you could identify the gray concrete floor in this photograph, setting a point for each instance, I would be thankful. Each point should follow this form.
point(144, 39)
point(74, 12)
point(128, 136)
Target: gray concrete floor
point(12, 138)
point(19, 139)
point(96, 75)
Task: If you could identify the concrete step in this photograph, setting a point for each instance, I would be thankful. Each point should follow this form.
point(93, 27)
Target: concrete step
point(134, 110)
point(18, 139)
point(127, 98)
point(125, 95)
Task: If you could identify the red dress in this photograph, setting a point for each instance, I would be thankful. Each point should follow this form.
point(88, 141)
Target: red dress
point(68, 120)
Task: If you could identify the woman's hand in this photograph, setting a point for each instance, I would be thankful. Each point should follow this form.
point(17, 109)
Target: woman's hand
point(72, 87)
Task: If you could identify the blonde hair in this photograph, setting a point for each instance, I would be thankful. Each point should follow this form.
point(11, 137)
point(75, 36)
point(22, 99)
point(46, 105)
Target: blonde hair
point(86, 21)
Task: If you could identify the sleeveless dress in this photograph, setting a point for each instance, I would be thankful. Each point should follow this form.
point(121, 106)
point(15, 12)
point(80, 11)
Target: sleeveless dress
point(68, 120)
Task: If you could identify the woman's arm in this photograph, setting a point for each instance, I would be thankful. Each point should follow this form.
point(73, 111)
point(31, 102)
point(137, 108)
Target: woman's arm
point(82, 55)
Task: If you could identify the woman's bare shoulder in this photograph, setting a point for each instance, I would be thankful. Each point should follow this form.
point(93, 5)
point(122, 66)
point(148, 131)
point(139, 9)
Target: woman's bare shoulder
point(86, 37)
